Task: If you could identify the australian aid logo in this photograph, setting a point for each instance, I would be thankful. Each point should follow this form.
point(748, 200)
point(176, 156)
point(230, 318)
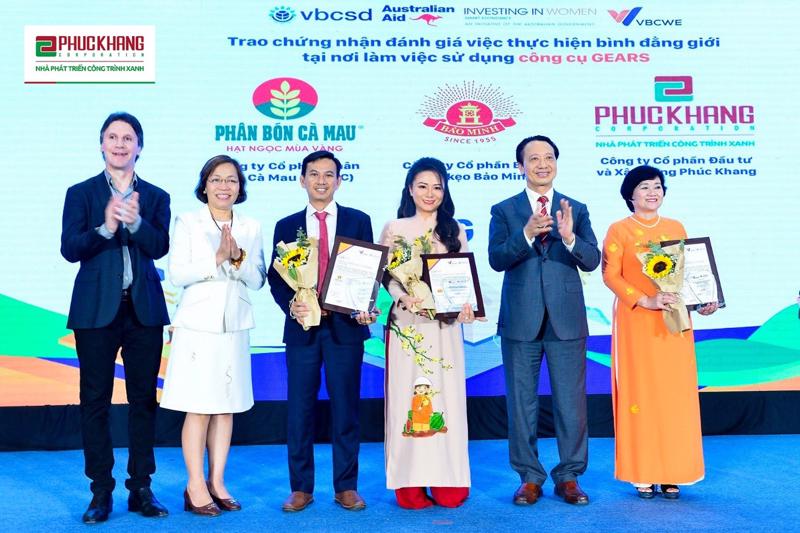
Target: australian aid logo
point(285, 101)
point(469, 113)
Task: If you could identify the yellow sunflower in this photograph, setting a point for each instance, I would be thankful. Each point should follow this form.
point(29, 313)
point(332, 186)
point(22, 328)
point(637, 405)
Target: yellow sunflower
point(659, 266)
point(295, 258)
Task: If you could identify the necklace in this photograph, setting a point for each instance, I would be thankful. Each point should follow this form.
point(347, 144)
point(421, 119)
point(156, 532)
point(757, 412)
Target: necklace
point(658, 219)
point(214, 220)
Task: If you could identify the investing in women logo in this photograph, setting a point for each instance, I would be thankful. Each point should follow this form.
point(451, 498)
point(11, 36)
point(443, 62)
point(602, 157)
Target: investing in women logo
point(285, 98)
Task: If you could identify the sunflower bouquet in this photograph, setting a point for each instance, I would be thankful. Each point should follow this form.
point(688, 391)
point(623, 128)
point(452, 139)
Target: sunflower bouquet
point(664, 267)
point(296, 263)
point(405, 265)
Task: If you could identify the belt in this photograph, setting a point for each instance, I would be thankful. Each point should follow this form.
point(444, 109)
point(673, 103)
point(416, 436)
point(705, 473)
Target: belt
point(126, 294)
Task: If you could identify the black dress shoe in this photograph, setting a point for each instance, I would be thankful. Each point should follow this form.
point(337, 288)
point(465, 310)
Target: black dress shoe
point(144, 502)
point(99, 508)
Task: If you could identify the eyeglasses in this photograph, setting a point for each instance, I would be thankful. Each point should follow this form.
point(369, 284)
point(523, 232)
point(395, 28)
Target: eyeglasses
point(220, 181)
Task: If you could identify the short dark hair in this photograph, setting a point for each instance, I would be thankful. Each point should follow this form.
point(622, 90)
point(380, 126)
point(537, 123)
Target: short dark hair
point(208, 169)
point(132, 121)
point(634, 177)
point(316, 156)
point(521, 146)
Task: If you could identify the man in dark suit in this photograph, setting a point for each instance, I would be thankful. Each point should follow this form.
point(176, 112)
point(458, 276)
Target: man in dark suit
point(115, 224)
point(338, 342)
point(540, 238)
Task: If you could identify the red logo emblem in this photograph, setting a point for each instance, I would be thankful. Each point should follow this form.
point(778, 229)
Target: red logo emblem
point(469, 110)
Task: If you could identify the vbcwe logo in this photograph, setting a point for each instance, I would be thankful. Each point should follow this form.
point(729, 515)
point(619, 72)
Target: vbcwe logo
point(626, 17)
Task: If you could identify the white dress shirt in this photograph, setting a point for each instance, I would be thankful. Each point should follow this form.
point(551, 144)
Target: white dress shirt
point(312, 223)
point(536, 207)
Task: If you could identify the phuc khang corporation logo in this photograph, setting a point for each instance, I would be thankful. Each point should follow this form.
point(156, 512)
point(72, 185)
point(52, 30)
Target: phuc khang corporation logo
point(285, 98)
point(469, 113)
point(673, 89)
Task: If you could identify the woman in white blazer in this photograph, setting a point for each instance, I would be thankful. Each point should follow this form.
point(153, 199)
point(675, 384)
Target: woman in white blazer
point(216, 255)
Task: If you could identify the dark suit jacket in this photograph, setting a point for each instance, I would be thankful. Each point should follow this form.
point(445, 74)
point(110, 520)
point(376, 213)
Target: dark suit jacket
point(537, 279)
point(98, 285)
point(345, 330)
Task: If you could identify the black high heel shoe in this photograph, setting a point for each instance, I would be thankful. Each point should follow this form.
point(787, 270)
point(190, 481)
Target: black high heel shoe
point(646, 493)
point(671, 492)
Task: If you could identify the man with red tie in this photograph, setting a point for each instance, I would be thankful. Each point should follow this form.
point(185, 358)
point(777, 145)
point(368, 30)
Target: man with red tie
point(338, 342)
point(539, 239)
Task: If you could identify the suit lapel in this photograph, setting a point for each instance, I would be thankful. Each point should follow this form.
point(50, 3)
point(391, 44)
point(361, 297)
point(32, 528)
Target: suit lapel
point(522, 207)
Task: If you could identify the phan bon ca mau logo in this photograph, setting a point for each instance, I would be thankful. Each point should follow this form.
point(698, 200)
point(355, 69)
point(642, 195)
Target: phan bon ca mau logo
point(469, 110)
point(285, 98)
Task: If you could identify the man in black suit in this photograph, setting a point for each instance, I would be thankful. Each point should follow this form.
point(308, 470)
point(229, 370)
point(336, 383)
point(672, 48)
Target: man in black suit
point(115, 224)
point(338, 342)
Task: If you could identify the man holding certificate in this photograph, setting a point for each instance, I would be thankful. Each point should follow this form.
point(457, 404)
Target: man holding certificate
point(540, 238)
point(337, 341)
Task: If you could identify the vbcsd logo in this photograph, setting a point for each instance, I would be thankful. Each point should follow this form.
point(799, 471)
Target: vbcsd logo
point(285, 98)
point(673, 88)
point(321, 14)
point(282, 14)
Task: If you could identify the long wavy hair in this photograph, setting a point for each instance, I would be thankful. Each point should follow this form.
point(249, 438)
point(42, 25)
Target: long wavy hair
point(446, 226)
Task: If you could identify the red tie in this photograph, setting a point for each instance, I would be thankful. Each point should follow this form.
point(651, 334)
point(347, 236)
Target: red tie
point(543, 213)
point(324, 255)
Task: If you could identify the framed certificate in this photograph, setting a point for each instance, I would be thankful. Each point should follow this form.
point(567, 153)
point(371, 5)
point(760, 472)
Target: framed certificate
point(353, 277)
point(453, 280)
point(701, 283)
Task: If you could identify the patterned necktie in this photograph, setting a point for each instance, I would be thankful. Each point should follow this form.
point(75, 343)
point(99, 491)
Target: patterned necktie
point(324, 255)
point(543, 213)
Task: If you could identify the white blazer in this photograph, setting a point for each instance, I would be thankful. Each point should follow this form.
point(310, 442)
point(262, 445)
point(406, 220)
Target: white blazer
point(214, 297)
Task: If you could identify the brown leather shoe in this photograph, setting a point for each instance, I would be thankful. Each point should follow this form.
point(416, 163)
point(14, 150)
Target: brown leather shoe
point(571, 492)
point(350, 500)
point(210, 510)
point(297, 501)
point(226, 504)
point(527, 494)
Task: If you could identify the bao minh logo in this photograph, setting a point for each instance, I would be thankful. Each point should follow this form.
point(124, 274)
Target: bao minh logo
point(285, 98)
point(673, 89)
point(469, 110)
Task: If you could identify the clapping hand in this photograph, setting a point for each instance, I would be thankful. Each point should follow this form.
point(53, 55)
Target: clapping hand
point(565, 222)
point(537, 225)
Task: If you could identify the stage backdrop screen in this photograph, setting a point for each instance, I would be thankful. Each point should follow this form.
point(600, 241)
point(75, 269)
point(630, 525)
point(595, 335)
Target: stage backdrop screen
point(706, 91)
